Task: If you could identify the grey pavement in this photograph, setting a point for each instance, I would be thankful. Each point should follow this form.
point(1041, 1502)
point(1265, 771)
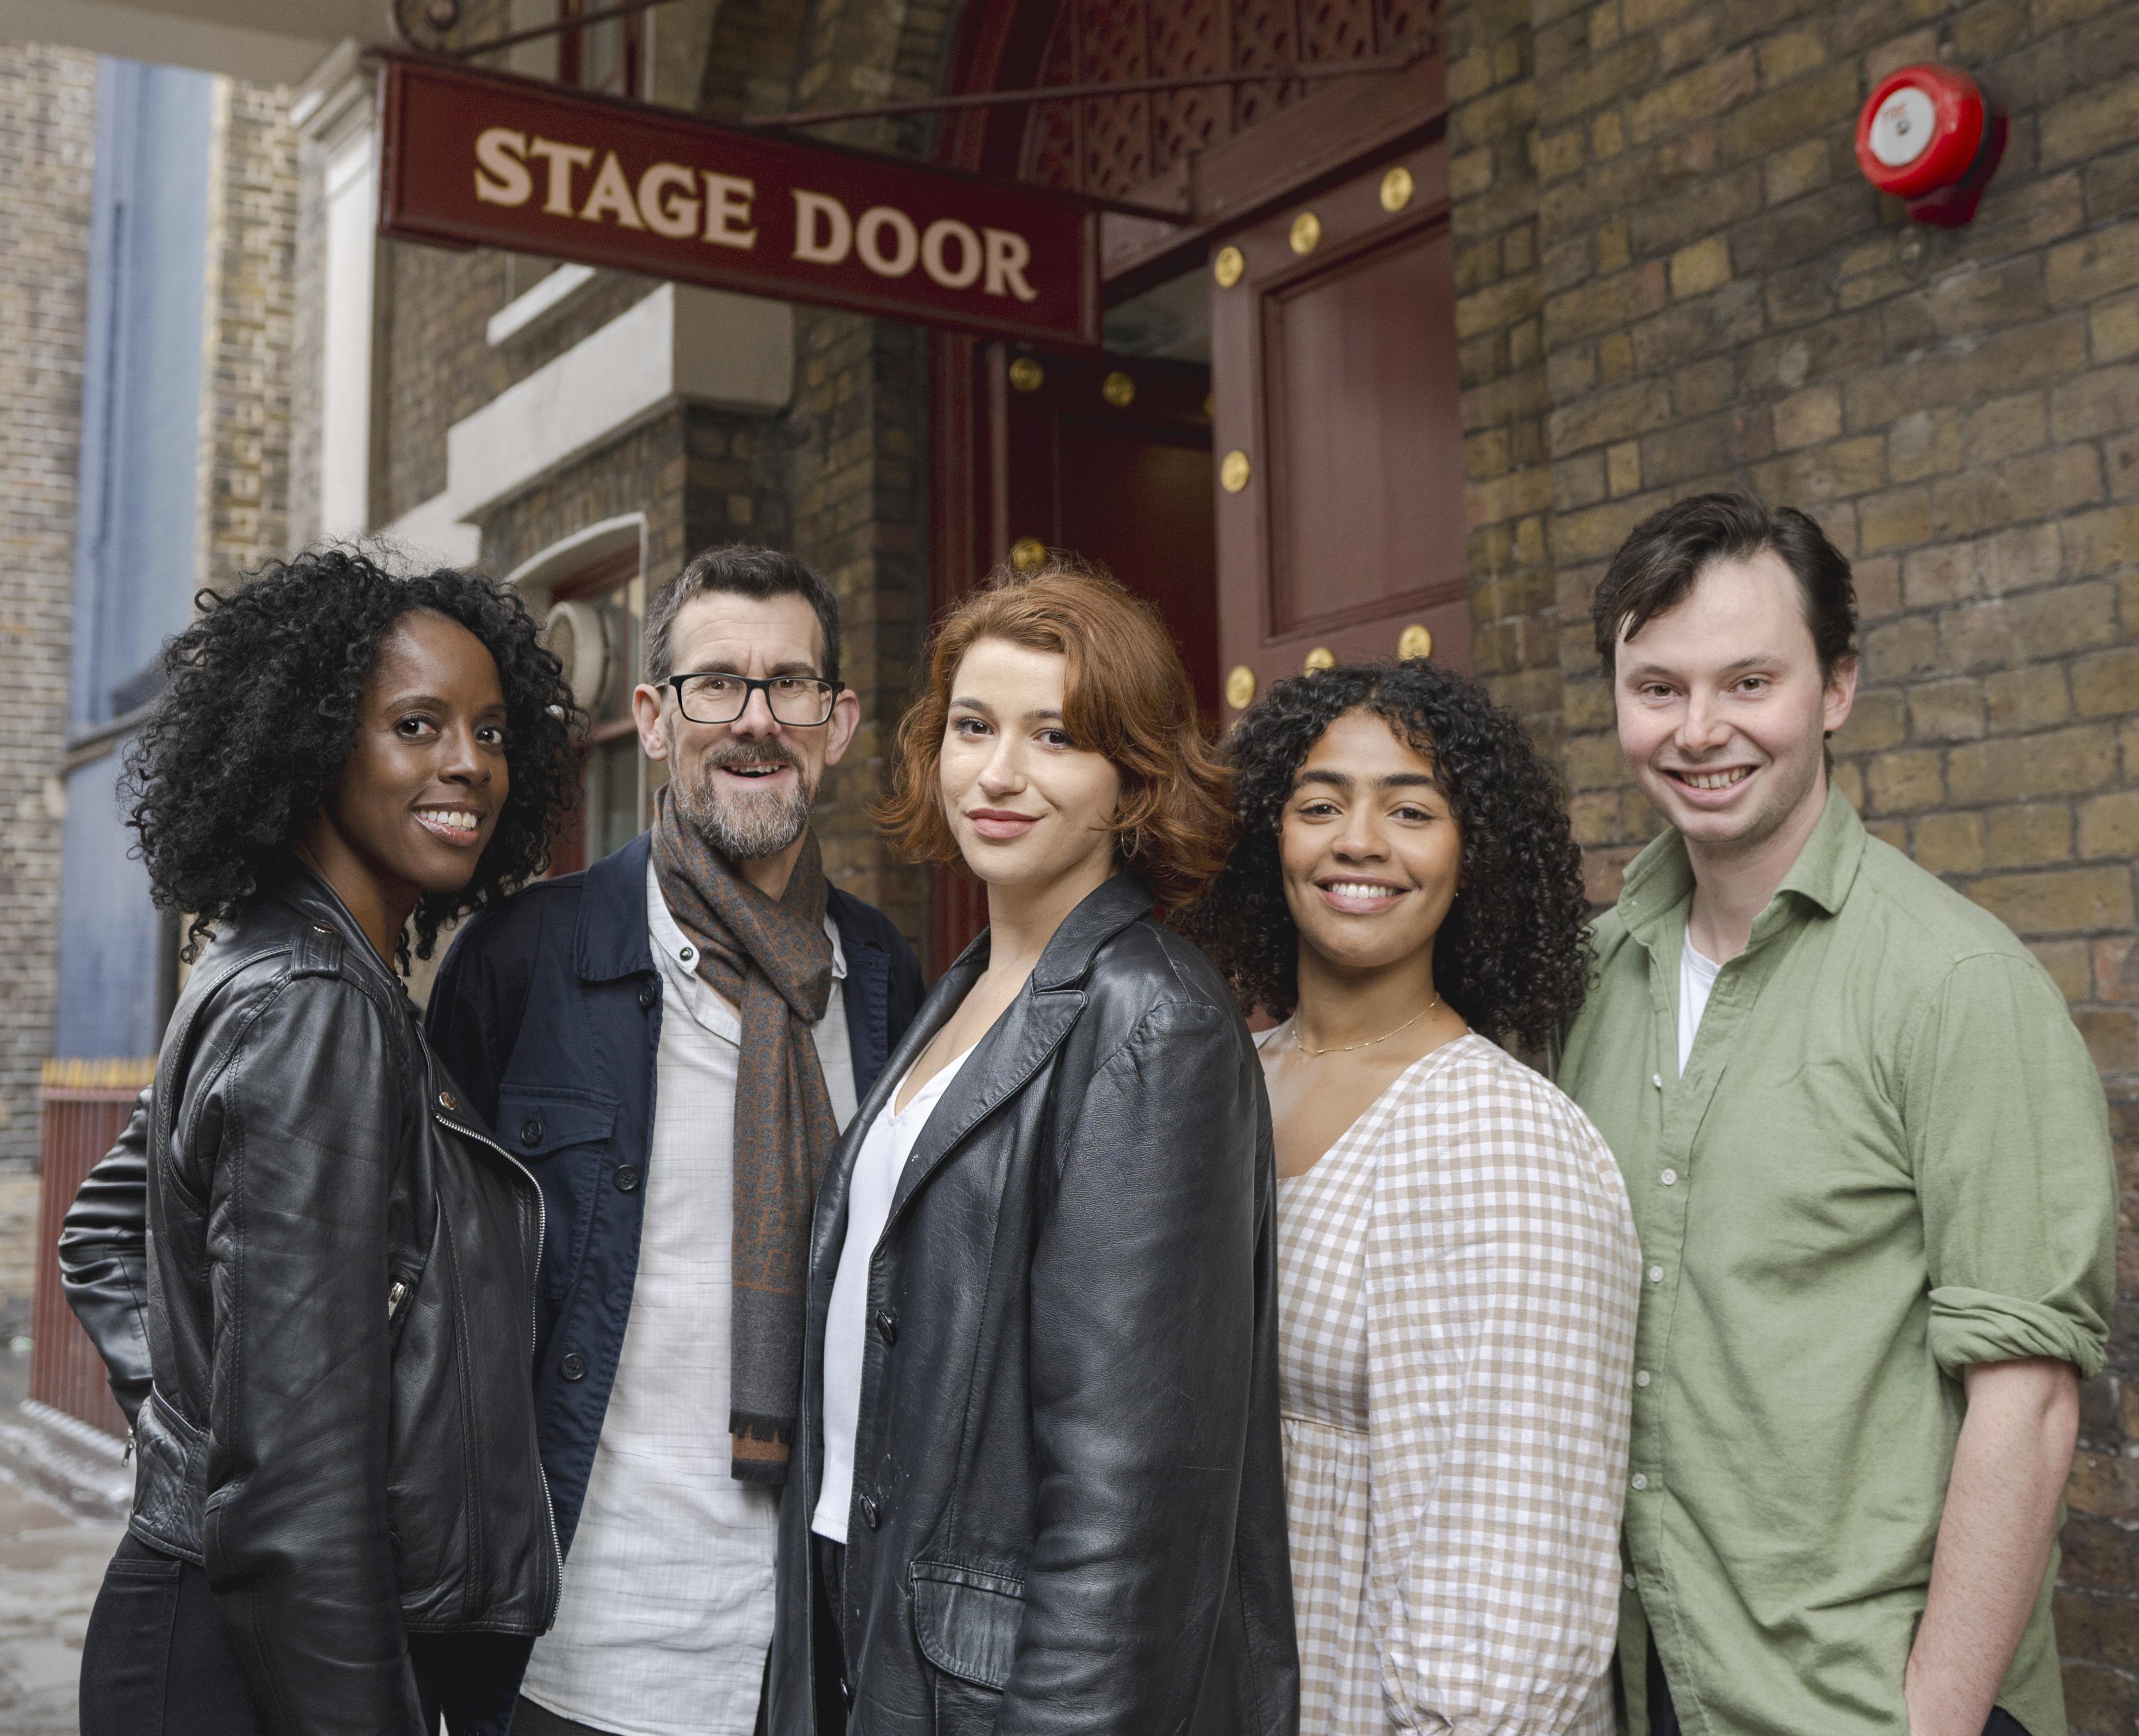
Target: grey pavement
point(50, 1565)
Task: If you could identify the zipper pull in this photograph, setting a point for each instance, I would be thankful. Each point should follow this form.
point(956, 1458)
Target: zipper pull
point(396, 1293)
point(126, 1457)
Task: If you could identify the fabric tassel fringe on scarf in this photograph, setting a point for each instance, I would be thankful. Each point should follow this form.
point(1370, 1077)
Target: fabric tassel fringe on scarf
point(773, 961)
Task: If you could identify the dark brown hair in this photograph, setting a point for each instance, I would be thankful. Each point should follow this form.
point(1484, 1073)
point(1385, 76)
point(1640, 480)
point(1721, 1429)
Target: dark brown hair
point(1513, 955)
point(1125, 696)
point(1658, 565)
point(740, 570)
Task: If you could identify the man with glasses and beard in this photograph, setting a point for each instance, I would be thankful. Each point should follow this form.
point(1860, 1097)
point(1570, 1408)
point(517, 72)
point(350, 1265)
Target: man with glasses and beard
point(671, 1042)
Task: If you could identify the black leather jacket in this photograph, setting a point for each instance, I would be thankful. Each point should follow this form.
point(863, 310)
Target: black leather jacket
point(1069, 1505)
point(337, 1299)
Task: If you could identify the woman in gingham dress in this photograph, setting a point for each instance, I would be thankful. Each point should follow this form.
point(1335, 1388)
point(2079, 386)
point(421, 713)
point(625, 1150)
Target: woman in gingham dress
point(1458, 1267)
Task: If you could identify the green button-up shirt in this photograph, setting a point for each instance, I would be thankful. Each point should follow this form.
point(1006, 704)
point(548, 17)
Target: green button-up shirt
point(1888, 1159)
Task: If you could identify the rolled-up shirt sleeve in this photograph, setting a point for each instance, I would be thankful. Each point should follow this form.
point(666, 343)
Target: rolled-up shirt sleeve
point(1502, 1279)
point(2010, 1141)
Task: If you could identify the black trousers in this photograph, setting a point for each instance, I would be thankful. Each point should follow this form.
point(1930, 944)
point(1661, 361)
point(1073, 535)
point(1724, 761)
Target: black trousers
point(158, 1662)
point(1663, 1716)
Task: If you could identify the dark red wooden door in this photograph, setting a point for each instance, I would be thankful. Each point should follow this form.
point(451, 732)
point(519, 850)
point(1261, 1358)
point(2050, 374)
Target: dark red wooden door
point(1110, 457)
point(1339, 445)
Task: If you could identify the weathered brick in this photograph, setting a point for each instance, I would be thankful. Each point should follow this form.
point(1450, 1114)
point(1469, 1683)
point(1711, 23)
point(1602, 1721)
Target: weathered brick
point(2108, 682)
point(2090, 123)
point(2063, 762)
point(1807, 418)
point(1949, 843)
point(1945, 711)
point(2097, 265)
point(2097, 542)
point(2102, 402)
point(1714, 88)
point(1942, 575)
point(2027, 834)
point(2020, 559)
point(2058, 900)
point(2033, 698)
point(1609, 416)
point(1704, 266)
point(2109, 825)
point(1905, 779)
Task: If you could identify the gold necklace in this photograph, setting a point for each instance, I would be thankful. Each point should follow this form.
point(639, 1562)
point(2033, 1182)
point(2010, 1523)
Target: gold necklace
point(1345, 1048)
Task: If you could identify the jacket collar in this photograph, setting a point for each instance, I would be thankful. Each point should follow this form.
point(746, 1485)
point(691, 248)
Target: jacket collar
point(300, 890)
point(1660, 880)
point(1027, 1034)
point(1101, 915)
point(612, 939)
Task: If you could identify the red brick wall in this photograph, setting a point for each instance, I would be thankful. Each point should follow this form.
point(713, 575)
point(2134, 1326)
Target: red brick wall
point(1675, 279)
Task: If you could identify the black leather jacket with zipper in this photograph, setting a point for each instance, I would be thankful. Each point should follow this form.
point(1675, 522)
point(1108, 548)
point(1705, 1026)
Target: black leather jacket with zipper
point(337, 1291)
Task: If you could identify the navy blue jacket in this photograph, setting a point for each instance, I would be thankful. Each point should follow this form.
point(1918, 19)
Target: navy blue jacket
point(547, 1011)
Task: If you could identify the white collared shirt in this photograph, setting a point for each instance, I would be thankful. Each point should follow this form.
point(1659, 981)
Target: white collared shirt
point(667, 1607)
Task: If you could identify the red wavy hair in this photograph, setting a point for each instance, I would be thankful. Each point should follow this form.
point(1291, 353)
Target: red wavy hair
point(1125, 696)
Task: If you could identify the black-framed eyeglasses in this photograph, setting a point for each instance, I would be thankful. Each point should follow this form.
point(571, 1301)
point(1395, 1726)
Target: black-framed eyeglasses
point(801, 702)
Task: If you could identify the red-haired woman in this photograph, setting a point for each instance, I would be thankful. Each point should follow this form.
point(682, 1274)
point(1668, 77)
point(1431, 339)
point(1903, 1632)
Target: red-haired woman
point(1040, 1457)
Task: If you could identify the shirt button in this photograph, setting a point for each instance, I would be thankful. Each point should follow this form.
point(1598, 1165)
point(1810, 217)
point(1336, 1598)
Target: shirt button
point(1656, 1275)
point(530, 1131)
point(574, 1367)
point(1640, 1481)
point(1642, 1378)
point(872, 1514)
point(648, 995)
point(1657, 1079)
point(1670, 1178)
point(626, 1177)
point(687, 955)
point(1629, 1579)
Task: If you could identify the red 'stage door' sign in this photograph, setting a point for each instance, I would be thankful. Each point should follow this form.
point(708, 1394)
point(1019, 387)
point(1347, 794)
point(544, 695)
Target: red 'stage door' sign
point(482, 159)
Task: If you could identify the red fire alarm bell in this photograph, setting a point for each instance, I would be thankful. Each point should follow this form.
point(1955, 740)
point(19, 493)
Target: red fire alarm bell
point(1929, 137)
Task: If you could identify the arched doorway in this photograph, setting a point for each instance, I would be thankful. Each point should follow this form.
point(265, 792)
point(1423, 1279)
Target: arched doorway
point(1310, 506)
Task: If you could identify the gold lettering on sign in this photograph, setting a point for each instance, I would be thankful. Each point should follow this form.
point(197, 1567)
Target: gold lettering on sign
point(675, 217)
point(563, 160)
point(681, 202)
point(869, 240)
point(611, 191)
point(727, 207)
point(936, 238)
point(824, 232)
point(501, 172)
point(1008, 256)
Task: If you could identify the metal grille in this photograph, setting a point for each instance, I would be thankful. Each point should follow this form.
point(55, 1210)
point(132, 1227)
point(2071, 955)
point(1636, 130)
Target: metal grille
point(86, 1104)
point(1113, 145)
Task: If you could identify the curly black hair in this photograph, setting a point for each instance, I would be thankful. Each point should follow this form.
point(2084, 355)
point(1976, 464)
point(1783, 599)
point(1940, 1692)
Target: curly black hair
point(1513, 957)
point(260, 711)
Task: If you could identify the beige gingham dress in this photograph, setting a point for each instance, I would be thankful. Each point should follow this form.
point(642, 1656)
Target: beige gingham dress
point(1458, 1277)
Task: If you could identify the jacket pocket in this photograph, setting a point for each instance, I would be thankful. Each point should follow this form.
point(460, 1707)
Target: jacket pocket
point(170, 1479)
point(565, 1138)
point(967, 1622)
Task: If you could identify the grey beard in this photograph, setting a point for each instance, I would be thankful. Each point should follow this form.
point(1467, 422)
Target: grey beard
point(744, 827)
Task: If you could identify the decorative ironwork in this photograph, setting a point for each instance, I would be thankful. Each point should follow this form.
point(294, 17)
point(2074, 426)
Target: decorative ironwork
point(1211, 68)
point(439, 16)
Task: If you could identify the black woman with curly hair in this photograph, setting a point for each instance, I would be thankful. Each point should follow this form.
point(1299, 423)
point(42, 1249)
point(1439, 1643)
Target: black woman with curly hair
point(322, 1341)
point(1457, 1264)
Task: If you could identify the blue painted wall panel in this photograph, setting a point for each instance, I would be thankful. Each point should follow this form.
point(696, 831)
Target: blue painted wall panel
point(108, 931)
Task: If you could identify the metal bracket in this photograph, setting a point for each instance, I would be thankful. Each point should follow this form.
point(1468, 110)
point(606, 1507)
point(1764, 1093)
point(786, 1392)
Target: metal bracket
point(441, 16)
point(1416, 50)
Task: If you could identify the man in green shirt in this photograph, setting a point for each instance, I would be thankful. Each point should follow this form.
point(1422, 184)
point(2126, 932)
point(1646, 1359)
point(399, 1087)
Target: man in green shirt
point(1869, 1161)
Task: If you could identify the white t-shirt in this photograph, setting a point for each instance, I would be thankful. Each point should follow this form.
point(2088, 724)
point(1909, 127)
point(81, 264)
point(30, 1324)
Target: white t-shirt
point(877, 1166)
point(667, 1607)
point(1697, 976)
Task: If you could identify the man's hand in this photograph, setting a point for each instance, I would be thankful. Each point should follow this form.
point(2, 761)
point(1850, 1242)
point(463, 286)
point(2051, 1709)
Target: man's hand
point(2001, 1513)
